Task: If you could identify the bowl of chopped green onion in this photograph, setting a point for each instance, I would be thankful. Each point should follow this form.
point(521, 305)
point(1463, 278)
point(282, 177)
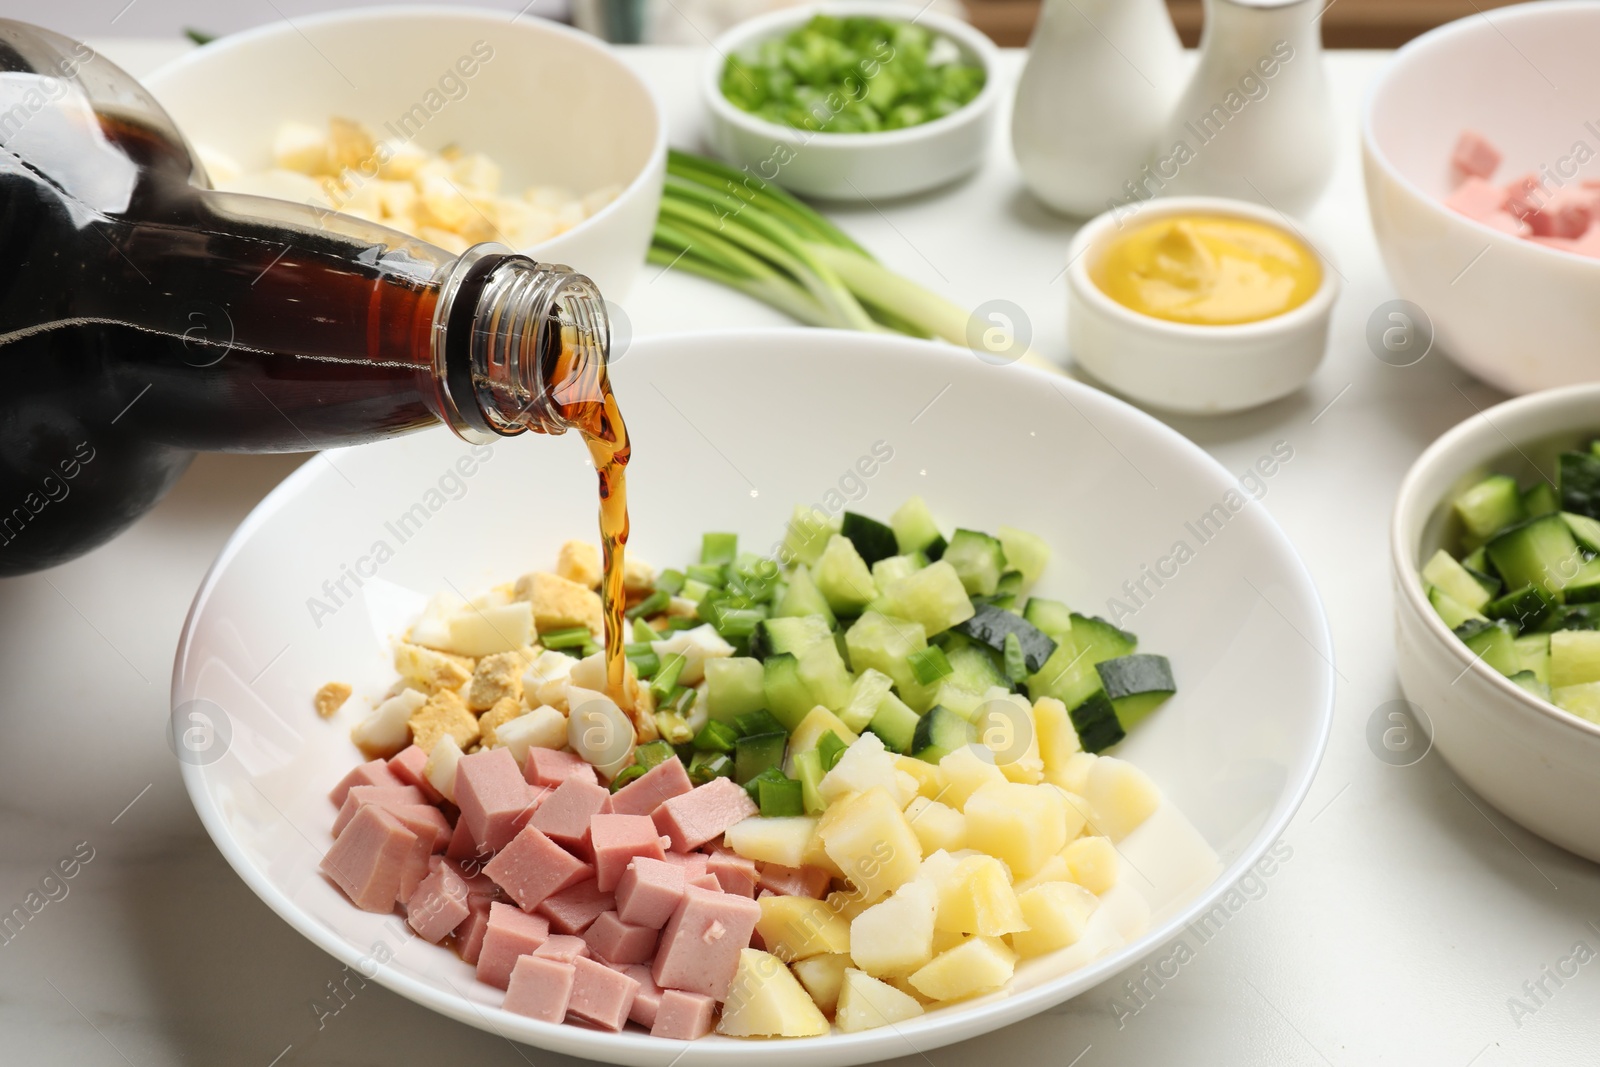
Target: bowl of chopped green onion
point(852, 101)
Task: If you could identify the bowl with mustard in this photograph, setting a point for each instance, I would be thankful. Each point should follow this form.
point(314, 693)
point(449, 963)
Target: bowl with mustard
point(1199, 305)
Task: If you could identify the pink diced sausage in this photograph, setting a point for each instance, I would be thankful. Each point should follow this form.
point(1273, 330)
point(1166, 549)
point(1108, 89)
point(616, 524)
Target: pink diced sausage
point(550, 767)
point(649, 891)
point(695, 817)
point(371, 858)
point(683, 1016)
point(647, 999)
point(616, 839)
point(509, 934)
point(385, 796)
point(439, 905)
point(615, 941)
point(1567, 213)
point(532, 867)
point(426, 821)
point(1476, 199)
point(574, 908)
point(705, 881)
point(693, 863)
point(494, 800)
point(373, 772)
point(469, 935)
point(1474, 156)
point(700, 946)
point(540, 988)
point(735, 873)
point(563, 947)
point(601, 997)
point(464, 850)
point(1506, 222)
point(644, 794)
point(564, 813)
point(794, 881)
point(409, 766)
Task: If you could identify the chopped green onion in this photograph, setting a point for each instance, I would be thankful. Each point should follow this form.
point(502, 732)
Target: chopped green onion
point(808, 770)
point(929, 665)
point(678, 622)
point(653, 753)
point(671, 581)
point(673, 728)
point(830, 746)
point(704, 766)
point(1016, 663)
point(718, 548)
point(693, 590)
point(666, 677)
point(681, 700)
point(780, 797)
point(755, 753)
point(637, 648)
point(738, 622)
point(716, 737)
point(645, 664)
point(626, 775)
point(644, 632)
point(757, 722)
point(753, 784)
point(707, 574)
point(650, 605)
point(573, 637)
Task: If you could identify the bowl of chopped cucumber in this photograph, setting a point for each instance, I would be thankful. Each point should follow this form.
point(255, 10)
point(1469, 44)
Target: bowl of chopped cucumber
point(852, 101)
point(946, 693)
point(1496, 553)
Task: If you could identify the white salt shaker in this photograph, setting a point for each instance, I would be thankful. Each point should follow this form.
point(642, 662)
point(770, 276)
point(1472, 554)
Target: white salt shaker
point(1256, 122)
point(1099, 83)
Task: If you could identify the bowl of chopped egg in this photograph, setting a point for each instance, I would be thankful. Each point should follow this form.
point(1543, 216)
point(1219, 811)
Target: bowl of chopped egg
point(454, 124)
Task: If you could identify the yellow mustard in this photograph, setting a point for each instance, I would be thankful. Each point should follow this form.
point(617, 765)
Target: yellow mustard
point(1208, 270)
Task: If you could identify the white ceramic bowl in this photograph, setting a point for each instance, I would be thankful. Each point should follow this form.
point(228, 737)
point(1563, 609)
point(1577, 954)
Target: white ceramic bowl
point(550, 106)
point(751, 423)
point(1527, 757)
point(852, 166)
point(1178, 366)
point(1516, 314)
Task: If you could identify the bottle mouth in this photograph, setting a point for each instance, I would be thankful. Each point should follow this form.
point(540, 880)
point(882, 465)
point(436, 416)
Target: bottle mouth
point(518, 345)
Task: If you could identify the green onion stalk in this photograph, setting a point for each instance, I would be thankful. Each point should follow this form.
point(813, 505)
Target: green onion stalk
point(747, 234)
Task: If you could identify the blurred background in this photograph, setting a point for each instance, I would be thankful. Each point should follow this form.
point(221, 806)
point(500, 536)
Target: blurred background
point(1347, 23)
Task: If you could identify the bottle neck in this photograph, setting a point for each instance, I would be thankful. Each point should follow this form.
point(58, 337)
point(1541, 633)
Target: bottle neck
point(517, 345)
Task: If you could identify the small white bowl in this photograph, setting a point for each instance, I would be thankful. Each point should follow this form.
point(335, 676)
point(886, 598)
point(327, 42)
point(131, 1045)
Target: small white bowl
point(1527, 757)
point(852, 166)
point(1516, 314)
point(551, 106)
point(1179, 366)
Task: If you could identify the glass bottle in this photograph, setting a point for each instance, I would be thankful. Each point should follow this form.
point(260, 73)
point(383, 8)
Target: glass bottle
point(145, 316)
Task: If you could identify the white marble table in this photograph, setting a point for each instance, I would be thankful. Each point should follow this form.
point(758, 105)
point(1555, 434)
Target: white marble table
point(1404, 915)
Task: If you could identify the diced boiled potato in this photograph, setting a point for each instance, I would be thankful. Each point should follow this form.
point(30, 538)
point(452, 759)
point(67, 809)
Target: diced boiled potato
point(1121, 795)
point(977, 898)
point(865, 765)
point(1006, 727)
point(865, 1002)
point(1056, 913)
point(818, 721)
point(871, 842)
point(794, 928)
point(302, 148)
point(485, 631)
point(442, 203)
point(1055, 869)
point(542, 727)
point(937, 826)
point(388, 729)
point(964, 772)
point(431, 670)
point(579, 561)
point(937, 867)
point(396, 200)
point(930, 780)
point(766, 1000)
point(401, 161)
point(945, 940)
point(895, 936)
point(785, 839)
point(477, 171)
point(1093, 862)
point(847, 903)
point(440, 769)
point(1024, 825)
point(1058, 740)
point(975, 966)
point(1074, 777)
point(823, 977)
point(696, 646)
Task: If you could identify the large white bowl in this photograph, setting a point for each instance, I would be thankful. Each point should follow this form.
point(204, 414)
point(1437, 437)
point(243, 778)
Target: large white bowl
point(552, 106)
point(1518, 315)
point(732, 430)
point(1527, 757)
point(852, 166)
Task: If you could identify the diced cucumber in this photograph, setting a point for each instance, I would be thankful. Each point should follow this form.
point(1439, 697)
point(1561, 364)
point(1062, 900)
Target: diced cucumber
point(806, 536)
point(734, 686)
point(974, 668)
point(933, 596)
point(1096, 722)
point(1024, 551)
point(802, 597)
point(1069, 675)
point(891, 569)
point(964, 702)
point(915, 530)
point(872, 539)
point(989, 625)
point(928, 665)
point(1540, 499)
point(843, 578)
point(718, 548)
point(1006, 590)
point(808, 772)
point(1532, 684)
point(1533, 654)
point(1525, 608)
point(1051, 616)
point(871, 686)
point(1574, 658)
point(1584, 587)
point(1585, 531)
point(1539, 552)
point(1450, 610)
point(1136, 685)
point(788, 697)
point(1444, 572)
point(823, 671)
point(1580, 483)
point(757, 753)
point(1581, 700)
point(794, 633)
point(1489, 507)
point(895, 724)
point(939, 733)
point(885, 643)
point(979, 560)
point(1495, 644)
